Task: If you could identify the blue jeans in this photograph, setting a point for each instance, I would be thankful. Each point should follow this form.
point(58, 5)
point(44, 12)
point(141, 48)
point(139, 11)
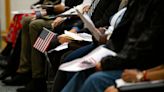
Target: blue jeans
point(79, 52)
point(87, 81)
point(63, 77)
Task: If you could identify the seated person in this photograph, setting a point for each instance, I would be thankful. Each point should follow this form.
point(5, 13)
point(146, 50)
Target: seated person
point(61, 78)
point(139, 49)
point(10, 54)
point(134, 75)
point(30, 57)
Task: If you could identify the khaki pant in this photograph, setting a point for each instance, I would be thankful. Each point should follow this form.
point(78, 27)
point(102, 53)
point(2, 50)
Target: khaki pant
point(30, 58)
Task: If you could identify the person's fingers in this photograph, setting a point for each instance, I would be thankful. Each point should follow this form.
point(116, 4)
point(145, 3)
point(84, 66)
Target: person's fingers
point(56, 23)
point(111, 89)
point(63, 40)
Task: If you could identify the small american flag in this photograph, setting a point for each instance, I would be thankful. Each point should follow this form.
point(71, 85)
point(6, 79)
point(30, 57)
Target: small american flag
point(44, 40)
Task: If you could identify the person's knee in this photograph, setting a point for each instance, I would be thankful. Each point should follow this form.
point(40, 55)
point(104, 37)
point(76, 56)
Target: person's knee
point(26, 21)
point(37, 23)
point(36, 26)
point(96, 76)
point(103, 75)
point(99, 81)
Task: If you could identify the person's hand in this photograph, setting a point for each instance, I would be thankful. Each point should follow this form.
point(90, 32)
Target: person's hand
point(86, 9)
point(43, 12)
point(102, 37)
point(73, 30)
point(102, 30)
point(130, 75)
point(111, 89)
point(33, 17)
point(98, 67)
point(64, 38)
point(59, 8)
point(57, 22)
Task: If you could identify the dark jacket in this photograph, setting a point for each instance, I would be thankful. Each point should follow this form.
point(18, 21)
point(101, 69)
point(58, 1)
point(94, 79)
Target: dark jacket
point(68, 3)
point(72, 3)
point(142, 47)
point(102, 13)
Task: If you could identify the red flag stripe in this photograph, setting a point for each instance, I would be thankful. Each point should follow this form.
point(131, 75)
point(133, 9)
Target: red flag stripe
point(42, 44)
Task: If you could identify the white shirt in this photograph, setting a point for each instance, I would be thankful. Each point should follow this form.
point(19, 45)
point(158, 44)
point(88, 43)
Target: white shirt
point(114, 22)
point(63, 2)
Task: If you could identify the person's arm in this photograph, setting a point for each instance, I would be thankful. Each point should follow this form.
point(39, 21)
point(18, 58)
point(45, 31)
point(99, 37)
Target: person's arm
point(145, 52)
point(59, 8)
point(75, 29)
point(130, 75)
point(56, 9)
point(79, 7)
point(134, 75)
point(156, 68)
point(111, 89)
point(156, 74)
point(59, 20)
point(50, 8)
point(78, 25)
point(111, 10)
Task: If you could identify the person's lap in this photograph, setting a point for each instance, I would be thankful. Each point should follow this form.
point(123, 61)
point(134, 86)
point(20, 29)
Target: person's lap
point(90, 81)
point(79, 52)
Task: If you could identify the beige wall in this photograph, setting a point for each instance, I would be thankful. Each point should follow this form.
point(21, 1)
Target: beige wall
point(2, 15)
point(21, 4)
point(14, 5)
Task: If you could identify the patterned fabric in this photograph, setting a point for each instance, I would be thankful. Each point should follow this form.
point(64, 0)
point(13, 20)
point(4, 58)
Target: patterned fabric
point(14, 28)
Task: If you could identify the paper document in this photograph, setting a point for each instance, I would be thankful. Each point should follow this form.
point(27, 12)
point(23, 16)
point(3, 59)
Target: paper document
point(60, 47)
point(90, 25)
point(73, 11)
point(122, 85)
point(88, 61)
point(79, 36)
point(42, 6)
point(66, 15)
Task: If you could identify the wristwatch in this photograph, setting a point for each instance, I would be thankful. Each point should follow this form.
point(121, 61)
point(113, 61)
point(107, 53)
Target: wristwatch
point(139, 76)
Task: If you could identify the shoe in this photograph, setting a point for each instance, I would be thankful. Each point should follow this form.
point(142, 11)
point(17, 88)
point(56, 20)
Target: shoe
point(18, 80)
point(5, 74)
point(3, 61)
point(2, 57)
point(35, 85)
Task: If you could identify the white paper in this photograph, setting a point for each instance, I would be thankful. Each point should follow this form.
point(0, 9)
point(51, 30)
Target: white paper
point(79, 36)
point(62, 46)
point(86, 37)
point(88, 61)
point(73, 11)
point(89, 24)
point(122, 83)
point(79, 7)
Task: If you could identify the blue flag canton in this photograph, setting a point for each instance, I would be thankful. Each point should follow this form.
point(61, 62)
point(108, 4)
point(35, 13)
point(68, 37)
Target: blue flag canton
point(43, 34)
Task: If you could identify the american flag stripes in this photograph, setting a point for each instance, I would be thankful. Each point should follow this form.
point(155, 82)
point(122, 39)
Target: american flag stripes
point(43, 40)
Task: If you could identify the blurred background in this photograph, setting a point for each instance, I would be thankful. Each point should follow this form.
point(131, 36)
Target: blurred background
point(6, 9)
